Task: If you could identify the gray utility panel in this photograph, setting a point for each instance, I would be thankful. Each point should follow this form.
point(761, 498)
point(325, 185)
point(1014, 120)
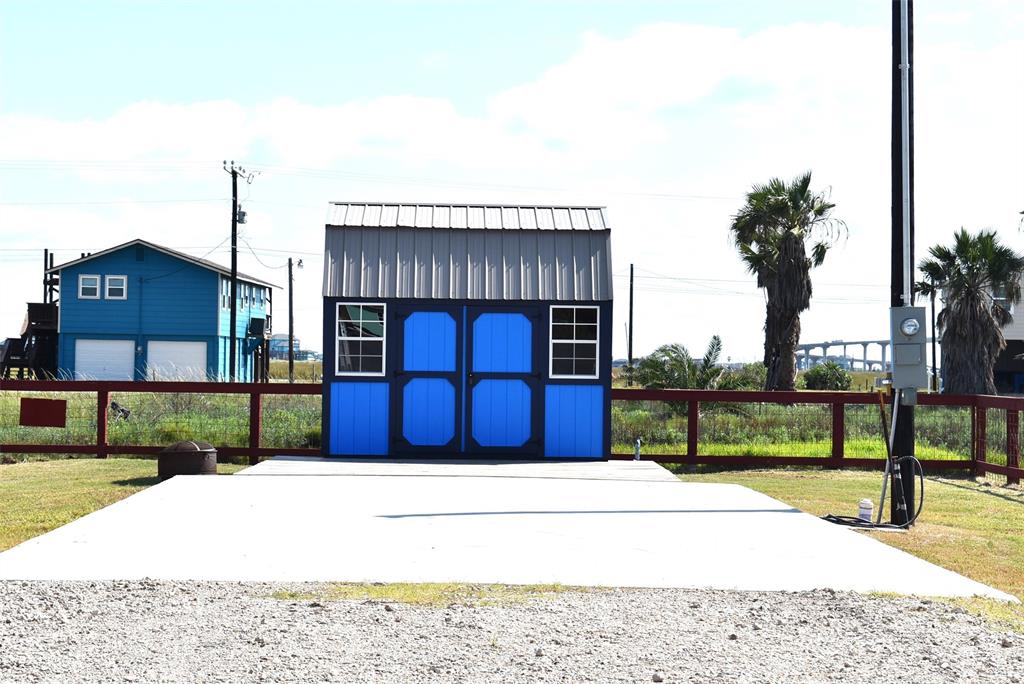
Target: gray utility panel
point(909, 336)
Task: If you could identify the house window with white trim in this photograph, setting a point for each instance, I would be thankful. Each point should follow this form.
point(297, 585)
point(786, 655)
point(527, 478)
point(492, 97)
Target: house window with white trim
point(88, 287)
point(361, 337)
point(574, 341)
point(117, 287)
point(225, 293)
point(999, 297)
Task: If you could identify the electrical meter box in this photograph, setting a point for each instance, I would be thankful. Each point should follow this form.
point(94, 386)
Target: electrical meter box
point(908, 335)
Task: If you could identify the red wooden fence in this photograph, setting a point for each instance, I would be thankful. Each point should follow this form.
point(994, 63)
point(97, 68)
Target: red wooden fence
point(102, 449)
point(976, 460)
point(837, 400)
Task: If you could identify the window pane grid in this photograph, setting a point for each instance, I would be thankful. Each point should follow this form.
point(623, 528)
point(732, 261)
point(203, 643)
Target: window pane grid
point(360, 338)
point(574, 339)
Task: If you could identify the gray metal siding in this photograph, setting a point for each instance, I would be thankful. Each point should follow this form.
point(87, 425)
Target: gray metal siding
point(530, 265)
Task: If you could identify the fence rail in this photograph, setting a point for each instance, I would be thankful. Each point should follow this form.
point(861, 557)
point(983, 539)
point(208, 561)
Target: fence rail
point(981, 444)
point(829, 429)
point(101, 448)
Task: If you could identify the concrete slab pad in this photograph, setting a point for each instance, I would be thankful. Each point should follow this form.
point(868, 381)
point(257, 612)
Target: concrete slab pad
point(626, 524)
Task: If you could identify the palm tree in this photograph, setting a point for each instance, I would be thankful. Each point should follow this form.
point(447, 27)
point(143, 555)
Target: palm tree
point(979, 280)
point(772, 232)
point(670, 366)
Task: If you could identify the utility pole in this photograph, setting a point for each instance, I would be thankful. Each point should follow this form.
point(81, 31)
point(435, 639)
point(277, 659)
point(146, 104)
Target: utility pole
point(902, 171)
point(935, 356)
point(235, 172)
point(46, 276)
point(629, 339)
point(291, 325)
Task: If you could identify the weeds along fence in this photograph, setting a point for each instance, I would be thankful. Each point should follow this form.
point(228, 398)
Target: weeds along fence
point(251, 420)
point(830, 429)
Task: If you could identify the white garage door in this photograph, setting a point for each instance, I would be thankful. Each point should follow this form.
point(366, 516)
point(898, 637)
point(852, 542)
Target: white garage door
point(176, 361)
point(104, 360)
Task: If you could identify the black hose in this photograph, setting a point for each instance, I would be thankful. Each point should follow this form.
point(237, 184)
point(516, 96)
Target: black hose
point(850, 521)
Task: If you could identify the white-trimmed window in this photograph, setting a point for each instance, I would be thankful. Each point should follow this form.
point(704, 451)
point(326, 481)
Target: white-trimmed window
point(361, 337)
point(999, 297)
point(225, 293)
point(117, 287)
point(88, 287)
point(574, 341)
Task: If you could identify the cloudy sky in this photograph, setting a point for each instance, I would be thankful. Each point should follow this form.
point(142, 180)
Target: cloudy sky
point(115, 117)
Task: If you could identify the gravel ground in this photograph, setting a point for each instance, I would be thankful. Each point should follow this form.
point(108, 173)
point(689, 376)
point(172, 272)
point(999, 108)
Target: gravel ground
point(207, 632)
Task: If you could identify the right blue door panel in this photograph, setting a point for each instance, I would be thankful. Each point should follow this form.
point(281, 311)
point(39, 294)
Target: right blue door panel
point(573, 421)
point(502, 343)
point(501, 382)
point(501, 413)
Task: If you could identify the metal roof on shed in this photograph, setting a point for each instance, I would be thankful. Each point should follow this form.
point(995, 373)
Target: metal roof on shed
point(414, 254)
point(496, 216)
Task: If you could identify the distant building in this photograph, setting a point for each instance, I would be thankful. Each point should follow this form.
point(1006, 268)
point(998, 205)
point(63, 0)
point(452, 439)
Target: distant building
point(279, 346)
point(279, 349)
point(139, 311)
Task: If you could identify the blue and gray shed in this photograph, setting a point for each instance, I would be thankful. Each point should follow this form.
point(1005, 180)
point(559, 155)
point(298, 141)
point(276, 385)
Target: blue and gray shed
point(467, 330)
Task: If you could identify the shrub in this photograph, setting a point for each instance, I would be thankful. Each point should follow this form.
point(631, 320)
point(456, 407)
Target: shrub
point(828, 376)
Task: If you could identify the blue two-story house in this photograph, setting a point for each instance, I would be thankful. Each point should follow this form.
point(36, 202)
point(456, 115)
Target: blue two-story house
point(139, 311)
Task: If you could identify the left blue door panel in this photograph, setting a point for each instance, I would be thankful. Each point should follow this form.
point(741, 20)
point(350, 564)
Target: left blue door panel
point(359, 419)
point(429, 342)
point(428, 412)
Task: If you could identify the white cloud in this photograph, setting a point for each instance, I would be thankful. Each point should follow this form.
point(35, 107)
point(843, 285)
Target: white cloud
point(669, 109)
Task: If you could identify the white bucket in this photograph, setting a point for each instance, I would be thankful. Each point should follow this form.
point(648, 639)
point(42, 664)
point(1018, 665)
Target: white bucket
point(865, 509)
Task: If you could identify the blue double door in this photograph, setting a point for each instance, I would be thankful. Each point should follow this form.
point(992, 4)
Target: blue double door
point(467, 382)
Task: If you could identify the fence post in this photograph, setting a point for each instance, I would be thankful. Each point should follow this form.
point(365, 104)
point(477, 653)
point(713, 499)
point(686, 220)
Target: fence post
point(838, 433)
point(692, 427)
point(980, 438)
point(255, 425)
point(1012, 444)
point(102, 405)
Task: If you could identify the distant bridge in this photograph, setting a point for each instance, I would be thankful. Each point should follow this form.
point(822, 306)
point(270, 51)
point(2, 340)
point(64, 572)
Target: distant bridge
point(806, 358)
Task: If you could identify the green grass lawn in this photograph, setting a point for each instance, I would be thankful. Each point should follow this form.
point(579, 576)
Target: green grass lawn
point(967, 527)
point(36, 497)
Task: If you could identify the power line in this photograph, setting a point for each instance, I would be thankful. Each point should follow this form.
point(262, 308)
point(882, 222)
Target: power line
point(284, 265)
point(99, 202)
point(165, 275)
